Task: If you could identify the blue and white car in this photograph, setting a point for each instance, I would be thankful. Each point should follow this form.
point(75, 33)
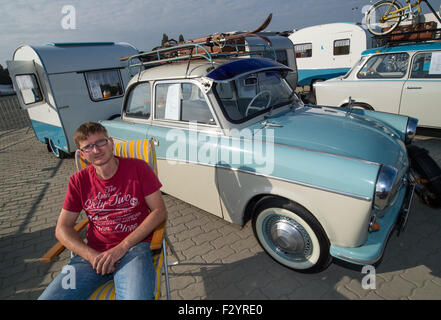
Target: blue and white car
point(233, 139)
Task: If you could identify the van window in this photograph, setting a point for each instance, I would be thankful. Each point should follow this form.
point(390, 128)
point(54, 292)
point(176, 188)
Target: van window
point(427, 65)
point(182, 102)
point(384, 66)
point(28, 88)
point(104, 84)
point(342, 47)
point(138, 102)
point(303, 50)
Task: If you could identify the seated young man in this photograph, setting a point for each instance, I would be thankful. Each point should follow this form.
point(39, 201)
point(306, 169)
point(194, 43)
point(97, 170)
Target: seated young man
point(122, 199)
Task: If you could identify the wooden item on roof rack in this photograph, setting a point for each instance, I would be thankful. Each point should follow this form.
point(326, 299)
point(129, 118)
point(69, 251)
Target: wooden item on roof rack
point(215, 43)
point(420, 32)
point(220, 40)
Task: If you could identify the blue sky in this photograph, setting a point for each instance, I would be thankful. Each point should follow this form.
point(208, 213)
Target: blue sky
point(142, 22)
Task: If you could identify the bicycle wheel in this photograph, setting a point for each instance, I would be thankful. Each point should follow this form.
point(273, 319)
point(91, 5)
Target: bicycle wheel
point(379, 21)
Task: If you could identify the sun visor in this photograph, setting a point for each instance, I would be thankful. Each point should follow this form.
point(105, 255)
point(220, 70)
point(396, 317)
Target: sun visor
point(241, 67)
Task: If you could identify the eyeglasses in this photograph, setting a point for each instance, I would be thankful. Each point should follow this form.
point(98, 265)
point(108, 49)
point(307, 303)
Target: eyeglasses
point(99, 143)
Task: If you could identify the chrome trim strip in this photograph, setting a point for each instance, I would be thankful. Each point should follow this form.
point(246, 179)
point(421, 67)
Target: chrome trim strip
point(369, 199)
point(275, 144)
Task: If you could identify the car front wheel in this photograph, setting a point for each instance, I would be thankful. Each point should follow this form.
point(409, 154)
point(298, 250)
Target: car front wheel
point(291, 235)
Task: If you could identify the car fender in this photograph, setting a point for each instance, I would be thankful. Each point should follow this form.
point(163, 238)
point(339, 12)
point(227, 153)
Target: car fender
point(240, 190)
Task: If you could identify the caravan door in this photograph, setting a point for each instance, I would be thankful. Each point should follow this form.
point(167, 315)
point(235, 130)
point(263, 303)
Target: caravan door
point(26, 83)
point(33, 95)
point(341, 50)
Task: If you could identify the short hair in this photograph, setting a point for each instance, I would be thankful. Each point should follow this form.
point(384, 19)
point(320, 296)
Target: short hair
point(86, 129)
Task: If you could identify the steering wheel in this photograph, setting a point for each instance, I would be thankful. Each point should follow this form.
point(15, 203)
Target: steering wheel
point(249, 106)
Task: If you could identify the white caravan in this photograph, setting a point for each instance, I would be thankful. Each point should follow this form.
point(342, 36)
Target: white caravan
point(328, 50)
point(63, 85)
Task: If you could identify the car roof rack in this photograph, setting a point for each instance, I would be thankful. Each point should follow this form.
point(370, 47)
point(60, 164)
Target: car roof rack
point(397, 38)
point(190, 51)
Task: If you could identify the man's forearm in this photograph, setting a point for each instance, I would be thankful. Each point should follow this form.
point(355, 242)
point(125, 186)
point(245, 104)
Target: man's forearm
point(72, 240)
point(107, 261)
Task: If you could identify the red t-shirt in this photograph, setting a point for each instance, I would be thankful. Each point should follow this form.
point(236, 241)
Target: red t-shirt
point(115, 207)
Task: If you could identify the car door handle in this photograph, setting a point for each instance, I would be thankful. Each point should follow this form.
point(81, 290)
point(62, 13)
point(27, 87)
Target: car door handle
point(414, 88)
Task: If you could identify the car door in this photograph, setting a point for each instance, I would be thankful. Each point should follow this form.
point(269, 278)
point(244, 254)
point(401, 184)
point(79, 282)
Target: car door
point(421, 94)
point(380, 81)
point(187, 135)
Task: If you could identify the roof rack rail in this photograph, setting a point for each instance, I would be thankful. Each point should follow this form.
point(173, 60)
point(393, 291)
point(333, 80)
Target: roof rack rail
point(189, 51)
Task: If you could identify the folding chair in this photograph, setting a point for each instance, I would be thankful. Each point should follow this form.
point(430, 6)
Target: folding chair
point(145, 150)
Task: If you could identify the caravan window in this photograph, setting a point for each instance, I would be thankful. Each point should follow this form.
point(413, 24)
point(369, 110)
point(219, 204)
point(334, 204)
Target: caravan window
point(342, 47)
point(138, 102)
point(104, 84)
point(303, 50)
point(29, 89)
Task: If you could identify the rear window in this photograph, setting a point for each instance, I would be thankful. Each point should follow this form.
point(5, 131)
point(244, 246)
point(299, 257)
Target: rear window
point(427, 65)
point(29, 88)
point(138, 102)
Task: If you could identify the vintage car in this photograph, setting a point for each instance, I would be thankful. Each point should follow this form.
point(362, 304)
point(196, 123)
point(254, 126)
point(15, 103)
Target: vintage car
point(402, 79)
point(233, 139)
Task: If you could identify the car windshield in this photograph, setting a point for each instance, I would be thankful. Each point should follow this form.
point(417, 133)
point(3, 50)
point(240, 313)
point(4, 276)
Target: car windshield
point(248, 96)
point(356, 66)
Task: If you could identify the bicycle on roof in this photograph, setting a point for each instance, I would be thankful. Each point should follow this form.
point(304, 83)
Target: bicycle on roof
point(384, 16)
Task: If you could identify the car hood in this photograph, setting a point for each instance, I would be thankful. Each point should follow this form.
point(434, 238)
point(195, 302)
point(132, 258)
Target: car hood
point(337, 132)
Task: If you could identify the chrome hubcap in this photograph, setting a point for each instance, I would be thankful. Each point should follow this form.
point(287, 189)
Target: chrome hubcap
point(287, 237)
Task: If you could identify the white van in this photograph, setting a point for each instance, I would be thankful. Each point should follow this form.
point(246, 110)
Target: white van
point(328, 50)
point(63, 85)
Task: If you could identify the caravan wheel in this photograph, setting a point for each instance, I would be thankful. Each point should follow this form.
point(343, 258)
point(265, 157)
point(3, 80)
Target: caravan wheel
point(57, 152)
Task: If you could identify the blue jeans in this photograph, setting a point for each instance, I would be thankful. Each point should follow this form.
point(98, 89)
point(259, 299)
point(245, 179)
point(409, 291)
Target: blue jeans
point(134, 278)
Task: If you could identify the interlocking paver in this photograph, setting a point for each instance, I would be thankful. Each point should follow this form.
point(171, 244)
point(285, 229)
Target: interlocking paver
point(218, 260)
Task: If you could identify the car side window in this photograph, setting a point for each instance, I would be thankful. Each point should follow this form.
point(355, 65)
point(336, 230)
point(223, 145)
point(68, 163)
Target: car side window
point(138, 102)
point(426, 65)
point(384, 66)
point(182, 102)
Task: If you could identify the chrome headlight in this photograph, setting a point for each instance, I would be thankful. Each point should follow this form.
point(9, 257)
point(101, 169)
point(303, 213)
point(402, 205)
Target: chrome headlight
point(385, 188)
point(411, 129)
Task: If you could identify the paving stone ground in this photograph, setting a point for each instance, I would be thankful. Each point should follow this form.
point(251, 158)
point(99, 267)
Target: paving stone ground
point(218, 260)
